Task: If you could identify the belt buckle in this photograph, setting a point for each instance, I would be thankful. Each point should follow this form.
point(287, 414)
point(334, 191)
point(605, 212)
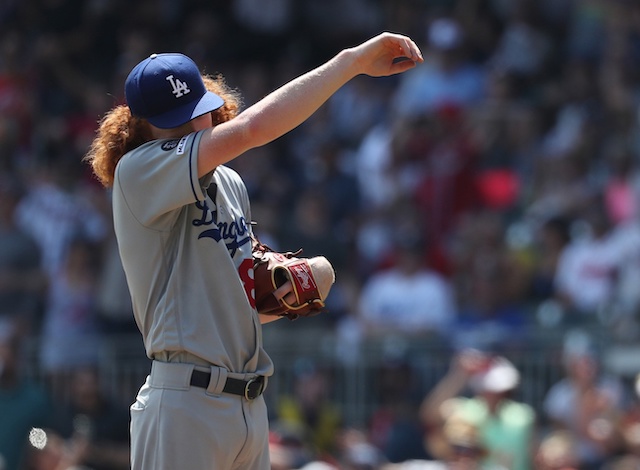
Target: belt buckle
point(250, 391)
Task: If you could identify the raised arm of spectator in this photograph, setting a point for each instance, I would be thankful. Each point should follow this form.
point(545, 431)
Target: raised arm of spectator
point(452, 384)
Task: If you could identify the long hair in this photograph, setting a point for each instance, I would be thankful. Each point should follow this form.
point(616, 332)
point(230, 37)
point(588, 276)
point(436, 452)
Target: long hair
point(120, 132)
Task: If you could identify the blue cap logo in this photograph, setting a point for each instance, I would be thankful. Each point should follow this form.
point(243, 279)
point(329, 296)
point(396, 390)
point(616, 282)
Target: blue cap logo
point(168, 91)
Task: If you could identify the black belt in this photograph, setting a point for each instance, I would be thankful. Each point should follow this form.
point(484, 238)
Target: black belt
point(250, 389)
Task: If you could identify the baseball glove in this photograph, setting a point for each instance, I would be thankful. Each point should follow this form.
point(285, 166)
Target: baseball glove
point(311, 280)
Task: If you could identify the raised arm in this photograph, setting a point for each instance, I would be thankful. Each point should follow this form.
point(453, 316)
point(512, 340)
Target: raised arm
point(463, 365)
point(289, 106)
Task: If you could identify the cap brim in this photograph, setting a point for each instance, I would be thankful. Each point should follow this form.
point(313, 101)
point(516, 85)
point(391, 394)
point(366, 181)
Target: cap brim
point(185, 113)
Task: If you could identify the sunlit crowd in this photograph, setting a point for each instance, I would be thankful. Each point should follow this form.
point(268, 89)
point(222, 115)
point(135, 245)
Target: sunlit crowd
point(487, 202)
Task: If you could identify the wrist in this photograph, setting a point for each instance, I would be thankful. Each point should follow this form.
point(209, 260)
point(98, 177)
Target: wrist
point(350, 63)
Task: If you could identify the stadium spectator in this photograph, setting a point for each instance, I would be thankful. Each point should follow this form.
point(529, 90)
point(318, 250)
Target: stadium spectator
point(556, 451)
point(89, 415)
point(357, 452)
point(448, 77)
point(22, 280)
point(587, 270)
point(310, 411)
point(394, 426)
point(57, 208)
point(407, 298)
point(550, 239)
point(49, 451)
point(23, 403)
point(490, 282)
point(71, 335)
point(505, 427)
point(586, 402)
point(627, 426)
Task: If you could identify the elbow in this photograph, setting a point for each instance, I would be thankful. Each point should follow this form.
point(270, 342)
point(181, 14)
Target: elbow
point(428, 416)
point(245, 133)
point(249, 131)
point(256, 128)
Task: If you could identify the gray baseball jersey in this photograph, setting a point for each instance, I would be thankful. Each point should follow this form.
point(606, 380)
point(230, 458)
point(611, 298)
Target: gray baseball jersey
point(187, 257)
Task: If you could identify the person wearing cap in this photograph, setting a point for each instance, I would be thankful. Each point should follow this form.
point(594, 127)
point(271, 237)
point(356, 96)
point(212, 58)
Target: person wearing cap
point(506, 428)
point(182, 221)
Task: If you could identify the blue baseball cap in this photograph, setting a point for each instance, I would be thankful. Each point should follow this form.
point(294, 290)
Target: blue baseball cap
point(167, 90)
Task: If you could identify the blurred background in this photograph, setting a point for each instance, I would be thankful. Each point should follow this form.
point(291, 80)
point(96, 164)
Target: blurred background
point(487, 201)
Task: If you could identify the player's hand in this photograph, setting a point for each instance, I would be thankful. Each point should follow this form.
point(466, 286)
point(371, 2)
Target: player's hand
point(387, 54)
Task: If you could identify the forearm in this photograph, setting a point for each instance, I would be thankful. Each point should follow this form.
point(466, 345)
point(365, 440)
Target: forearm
point(450, 386)
point(276, 114)
point(290, 105)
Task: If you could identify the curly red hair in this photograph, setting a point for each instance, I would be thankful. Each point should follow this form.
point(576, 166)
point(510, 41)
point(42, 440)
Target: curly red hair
point(120, 132)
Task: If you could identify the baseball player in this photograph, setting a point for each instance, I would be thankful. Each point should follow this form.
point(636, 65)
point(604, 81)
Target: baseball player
point(182, 221)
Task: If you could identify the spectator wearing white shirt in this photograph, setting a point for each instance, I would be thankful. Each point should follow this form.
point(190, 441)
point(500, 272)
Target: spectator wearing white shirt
point(587, 269)
point(408, 297)
point(56, 209)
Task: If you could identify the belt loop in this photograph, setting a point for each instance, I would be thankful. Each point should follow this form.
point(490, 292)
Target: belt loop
point(218, 379)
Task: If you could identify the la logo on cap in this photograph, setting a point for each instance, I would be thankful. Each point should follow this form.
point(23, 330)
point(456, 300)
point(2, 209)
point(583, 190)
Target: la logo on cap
point(180, 88)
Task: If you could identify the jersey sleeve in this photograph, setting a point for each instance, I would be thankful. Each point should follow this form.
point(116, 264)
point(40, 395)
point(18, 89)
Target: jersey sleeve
point(160, 177)
point(238, 188)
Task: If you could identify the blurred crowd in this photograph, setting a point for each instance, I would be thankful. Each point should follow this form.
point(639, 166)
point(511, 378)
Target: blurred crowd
point(489, 199)
point(470, 419)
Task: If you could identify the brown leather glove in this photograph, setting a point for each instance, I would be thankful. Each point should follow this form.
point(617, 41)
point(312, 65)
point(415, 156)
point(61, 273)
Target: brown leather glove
point(310, 278)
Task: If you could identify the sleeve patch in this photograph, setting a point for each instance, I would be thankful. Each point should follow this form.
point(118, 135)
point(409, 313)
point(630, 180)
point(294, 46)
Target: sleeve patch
point(182, 145)
point(169, 144)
